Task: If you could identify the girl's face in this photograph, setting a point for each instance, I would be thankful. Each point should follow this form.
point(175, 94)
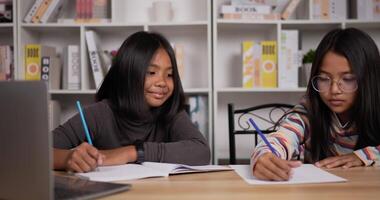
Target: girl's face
point(340, 94)
point(159, 84)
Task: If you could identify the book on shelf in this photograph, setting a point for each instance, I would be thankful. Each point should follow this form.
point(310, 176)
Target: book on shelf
point(146, 170)
point(289, 10)
point(198, 112)
point(329, 9)
point(251, 16)
point(92, 11)
point(268, 72)
point(251, 59)
point(365, 9)
point(54, 113)
point(179, 50)
point(233, 9)
point(289, 62)
point(41, 10)
point(33, 57)
point(93, 54)
point(51, 71)
point(53, 11)
point(71, 70)
point(32, 11)
point(6, 62)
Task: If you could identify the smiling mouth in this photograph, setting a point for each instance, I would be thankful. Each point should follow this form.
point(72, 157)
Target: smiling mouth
point(157, 95)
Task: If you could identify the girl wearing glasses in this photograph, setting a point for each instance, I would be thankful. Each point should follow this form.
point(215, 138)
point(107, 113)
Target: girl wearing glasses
point(337, 124)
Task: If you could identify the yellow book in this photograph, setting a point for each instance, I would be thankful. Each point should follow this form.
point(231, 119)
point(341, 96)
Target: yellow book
point(33, 55)
point(269, 64)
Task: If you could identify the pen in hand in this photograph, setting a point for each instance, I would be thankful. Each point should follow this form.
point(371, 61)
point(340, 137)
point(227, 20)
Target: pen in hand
point(87, 132)
point(263, 137)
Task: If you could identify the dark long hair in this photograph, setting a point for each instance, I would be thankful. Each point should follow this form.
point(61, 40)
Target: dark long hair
point(123, 86)
point(363, 57)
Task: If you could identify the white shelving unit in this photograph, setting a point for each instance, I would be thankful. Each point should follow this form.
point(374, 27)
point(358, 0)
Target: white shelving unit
point(213, 66)
point(8, 32)
point(190, 26)
point(227, 73)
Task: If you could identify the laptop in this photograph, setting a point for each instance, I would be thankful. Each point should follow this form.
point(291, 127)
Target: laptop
point(26, 149)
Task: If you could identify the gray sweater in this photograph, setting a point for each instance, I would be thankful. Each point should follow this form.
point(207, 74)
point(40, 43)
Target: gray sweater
point(181, 142)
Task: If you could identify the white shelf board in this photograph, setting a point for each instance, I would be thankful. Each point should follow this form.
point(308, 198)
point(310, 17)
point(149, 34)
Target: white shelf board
point(72, 91)
point(6, 25)
point(238, 89)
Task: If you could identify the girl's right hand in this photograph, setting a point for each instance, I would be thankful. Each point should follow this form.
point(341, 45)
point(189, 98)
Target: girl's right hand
point(84, 158)
point(270, 167)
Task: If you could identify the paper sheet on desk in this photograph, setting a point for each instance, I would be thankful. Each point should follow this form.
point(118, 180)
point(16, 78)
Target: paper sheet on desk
point(146, 170)
point(306, 173)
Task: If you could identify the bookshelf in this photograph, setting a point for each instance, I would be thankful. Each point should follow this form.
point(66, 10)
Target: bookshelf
point(213, 67)
point(189, 26)
point(227, 37)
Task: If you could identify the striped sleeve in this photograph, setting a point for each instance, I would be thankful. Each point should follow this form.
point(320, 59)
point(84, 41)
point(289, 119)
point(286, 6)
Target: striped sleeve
point(369, 155)
point(285, 141)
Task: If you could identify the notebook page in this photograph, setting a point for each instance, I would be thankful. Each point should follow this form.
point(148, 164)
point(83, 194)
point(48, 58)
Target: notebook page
point(306, 173)
point(122, 172)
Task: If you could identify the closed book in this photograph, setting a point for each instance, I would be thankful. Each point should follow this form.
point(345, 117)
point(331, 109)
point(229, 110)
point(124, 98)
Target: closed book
point(247, 58)
point(269, 64)
point(54, 113)
point(6, 62)
point(179, 50)
point(95, 62)
point(41, 10)
point(289, 9)
point(53, 11)
point(32, 11)
point(263, 9)
point(288, 61)
point(71, 69)
point(33, 56)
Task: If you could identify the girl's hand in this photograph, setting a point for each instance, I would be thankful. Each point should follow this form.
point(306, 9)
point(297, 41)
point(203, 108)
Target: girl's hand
point(83, 158)
point(120, 155)
point(344, 161)
point(270, 167)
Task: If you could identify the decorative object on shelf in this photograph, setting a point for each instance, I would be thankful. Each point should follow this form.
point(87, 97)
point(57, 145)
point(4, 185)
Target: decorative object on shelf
point(162, 11)
point(305, 69)
point(6, 8)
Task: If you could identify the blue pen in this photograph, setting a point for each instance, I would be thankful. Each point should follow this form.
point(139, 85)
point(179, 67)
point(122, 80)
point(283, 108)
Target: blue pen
point(263, 137)
point(89, 140)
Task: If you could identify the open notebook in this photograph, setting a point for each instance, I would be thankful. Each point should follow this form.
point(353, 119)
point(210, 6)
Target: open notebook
point(145, 170)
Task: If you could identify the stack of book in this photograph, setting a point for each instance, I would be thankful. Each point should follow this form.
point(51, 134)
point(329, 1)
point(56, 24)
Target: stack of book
point(86, 11)
point(259, 10)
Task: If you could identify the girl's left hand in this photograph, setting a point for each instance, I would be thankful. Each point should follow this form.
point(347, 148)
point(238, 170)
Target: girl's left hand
point(344, 161)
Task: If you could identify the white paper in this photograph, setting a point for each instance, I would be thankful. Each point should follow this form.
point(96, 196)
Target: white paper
point(306, 173)
point(146, 170)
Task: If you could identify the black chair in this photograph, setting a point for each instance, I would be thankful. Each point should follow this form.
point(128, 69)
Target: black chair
point(265, 116)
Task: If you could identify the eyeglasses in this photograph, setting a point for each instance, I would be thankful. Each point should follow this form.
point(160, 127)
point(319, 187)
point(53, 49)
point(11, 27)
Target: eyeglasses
point(347, 83)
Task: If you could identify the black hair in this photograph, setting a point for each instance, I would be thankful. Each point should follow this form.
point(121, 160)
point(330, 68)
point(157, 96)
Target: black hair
point(123, 85)
point(363, 57)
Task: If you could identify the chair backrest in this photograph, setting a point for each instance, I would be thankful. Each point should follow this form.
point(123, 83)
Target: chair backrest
point(265, 115)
